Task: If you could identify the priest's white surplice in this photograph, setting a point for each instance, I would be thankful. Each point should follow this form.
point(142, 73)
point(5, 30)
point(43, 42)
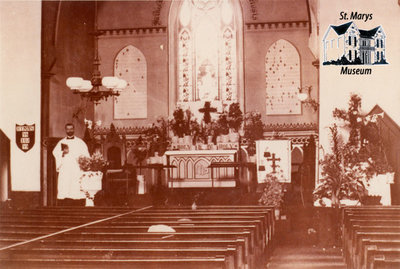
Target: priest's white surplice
point(68, 168)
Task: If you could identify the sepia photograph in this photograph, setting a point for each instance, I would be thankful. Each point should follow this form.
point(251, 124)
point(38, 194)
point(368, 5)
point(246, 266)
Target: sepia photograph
point(200, 134)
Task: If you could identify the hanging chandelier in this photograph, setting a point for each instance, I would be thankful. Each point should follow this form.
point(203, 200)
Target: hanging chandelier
point(97, 88)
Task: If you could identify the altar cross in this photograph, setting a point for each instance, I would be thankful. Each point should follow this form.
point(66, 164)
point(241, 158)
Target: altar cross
point(274, 161)
point(207, 109)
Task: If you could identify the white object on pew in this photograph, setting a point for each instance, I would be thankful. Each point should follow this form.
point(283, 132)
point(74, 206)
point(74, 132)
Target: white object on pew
point(160, 228)
point(194, 206)
point(185, 221)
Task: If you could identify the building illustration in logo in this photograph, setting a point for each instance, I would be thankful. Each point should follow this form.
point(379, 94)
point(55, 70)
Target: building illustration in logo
point(347, 44)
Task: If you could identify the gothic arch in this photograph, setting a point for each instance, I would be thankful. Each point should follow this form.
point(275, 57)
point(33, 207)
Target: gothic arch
point(297, 155)
point(282, 78)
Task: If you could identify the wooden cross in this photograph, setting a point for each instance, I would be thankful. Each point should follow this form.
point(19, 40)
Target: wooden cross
point(274, 161)
point(207, 109)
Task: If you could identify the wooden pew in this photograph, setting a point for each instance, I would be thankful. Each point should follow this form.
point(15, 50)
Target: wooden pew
point(25, 234)
point(228, 253)
point(373, 251)
point(367, 226)
point(148, 263)
point(209, 224)
point(132, 233)
point(238, 244)
point(361, 226)
point(378, 243)
point(383, 263)
point(351, 221)
point(357, 245)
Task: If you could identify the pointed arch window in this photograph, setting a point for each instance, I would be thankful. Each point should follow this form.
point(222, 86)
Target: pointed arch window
point(207, 54)
point(282, 76)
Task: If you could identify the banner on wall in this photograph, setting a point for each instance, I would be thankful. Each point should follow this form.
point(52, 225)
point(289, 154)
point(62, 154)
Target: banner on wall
point(274, 156)
point(25, 136)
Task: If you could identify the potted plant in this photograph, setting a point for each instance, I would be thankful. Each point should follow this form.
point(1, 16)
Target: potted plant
point(235, 119)
point(140, 151)
point(272, 192)
point(341, 179)
point(92, 175)
point(367, 146)
point(178, 122)
point(158, 138)
point(253, 131)
point(223, 127)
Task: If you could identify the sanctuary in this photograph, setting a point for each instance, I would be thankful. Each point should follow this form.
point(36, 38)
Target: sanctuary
point(194, 56)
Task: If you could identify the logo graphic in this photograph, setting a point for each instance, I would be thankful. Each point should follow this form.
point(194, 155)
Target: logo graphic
point(25, 136)
point(346, 44)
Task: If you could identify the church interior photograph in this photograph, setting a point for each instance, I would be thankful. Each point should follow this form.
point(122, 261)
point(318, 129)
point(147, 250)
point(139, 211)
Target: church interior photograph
point(198, 134)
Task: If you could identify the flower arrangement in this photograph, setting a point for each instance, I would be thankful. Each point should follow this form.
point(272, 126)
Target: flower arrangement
point(235, 117)
point(94, 163)
point(140, 151)
point(253, 130)
point(365, 139)
point(272, 193)
point(158, 137)
point(89, 137)
point(181, 123)
point(353, 163)
point(223, 123)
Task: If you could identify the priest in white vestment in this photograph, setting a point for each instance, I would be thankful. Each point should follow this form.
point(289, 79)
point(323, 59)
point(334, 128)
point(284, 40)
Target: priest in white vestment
point(67, 152)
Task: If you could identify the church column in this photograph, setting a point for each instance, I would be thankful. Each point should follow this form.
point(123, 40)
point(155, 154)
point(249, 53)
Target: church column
point(45, 111)
point(316, 65)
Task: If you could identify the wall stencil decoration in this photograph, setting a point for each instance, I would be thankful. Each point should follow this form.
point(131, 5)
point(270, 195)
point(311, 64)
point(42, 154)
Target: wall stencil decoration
point(130, 65)
point(282, 77)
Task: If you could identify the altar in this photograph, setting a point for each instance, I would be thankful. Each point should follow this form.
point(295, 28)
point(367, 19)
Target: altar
point(193, 168)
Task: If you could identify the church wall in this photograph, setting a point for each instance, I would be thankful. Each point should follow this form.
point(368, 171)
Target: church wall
point(20, 26)
point(133, 14)
point(70, 44)
point(141, 14)
point(154, 49)
point(256, 45)
point(274, 10)
point(154, 46)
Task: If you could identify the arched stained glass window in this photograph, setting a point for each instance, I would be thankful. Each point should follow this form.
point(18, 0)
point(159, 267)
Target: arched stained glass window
point(282, 76)
point(207, 54)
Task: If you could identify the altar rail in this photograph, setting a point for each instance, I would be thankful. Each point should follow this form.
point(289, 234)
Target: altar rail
point(193, 168)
